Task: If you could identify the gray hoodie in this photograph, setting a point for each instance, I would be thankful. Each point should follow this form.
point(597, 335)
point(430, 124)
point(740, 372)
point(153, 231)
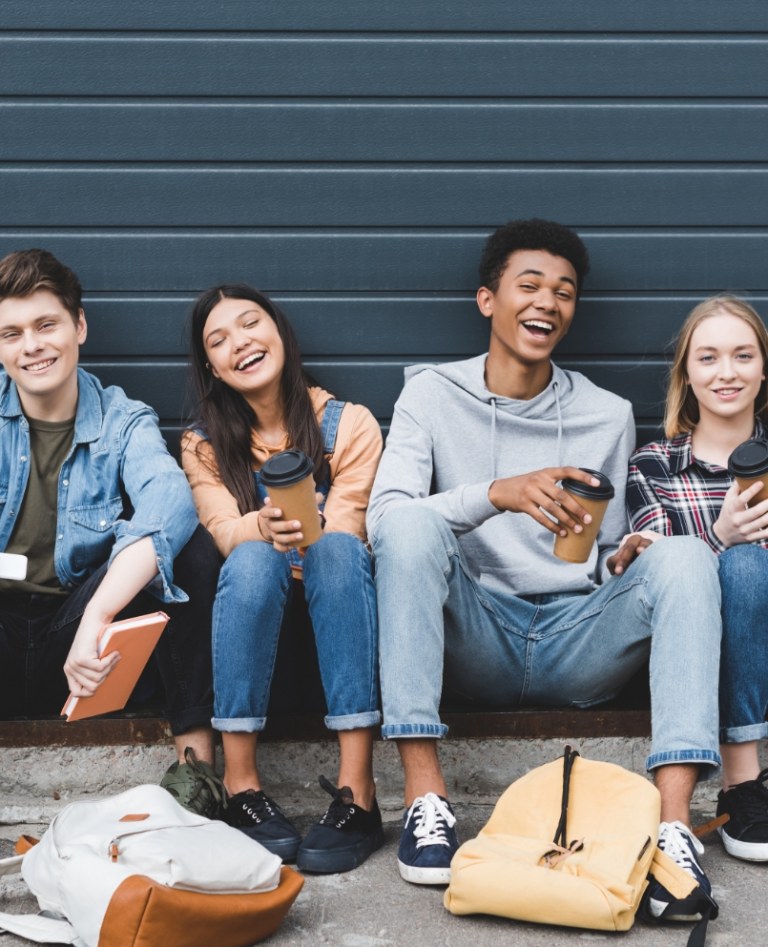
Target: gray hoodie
point(451, 437)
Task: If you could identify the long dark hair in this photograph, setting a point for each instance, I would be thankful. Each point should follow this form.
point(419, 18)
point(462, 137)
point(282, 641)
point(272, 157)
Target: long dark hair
point(225, 416)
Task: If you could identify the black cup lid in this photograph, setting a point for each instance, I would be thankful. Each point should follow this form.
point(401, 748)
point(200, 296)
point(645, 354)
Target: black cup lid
point(286, 468)
point(604, 492)
point(749, 459)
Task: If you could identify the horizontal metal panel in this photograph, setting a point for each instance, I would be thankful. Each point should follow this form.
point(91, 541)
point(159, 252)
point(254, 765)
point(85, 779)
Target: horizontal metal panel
point(376, 384)
point(400, 261)
point(300, 65)
point(426, 197)
point(399, 325)
point(398, 15)
point(367, 131)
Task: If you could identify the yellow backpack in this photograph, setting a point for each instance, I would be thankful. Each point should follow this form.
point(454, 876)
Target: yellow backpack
point(571, 843)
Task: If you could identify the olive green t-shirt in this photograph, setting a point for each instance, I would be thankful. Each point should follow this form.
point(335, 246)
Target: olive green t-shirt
point(34, 535)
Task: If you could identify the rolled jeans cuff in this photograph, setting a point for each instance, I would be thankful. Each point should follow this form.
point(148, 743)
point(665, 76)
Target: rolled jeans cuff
point(239, 724)
point(708, 761)
point(370, 718)
point(191, 718)
point(397, 731)
point(745, 734)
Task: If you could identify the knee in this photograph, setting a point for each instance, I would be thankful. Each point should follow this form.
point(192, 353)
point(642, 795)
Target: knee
point(743, 566)
point(197, 565)
point(407, 533)
point(685, 563)
point(250, 564)
point(682, 554)
point(336, 554)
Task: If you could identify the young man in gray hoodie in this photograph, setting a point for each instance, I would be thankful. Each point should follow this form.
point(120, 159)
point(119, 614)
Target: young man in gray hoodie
point(465, 507)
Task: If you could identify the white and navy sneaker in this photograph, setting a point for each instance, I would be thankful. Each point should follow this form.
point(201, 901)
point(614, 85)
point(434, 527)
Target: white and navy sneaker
point(428, 841)
point(681, 845)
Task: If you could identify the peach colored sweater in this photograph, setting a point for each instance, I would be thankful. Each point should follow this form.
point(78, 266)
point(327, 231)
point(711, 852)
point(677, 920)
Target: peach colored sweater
point(353, 466)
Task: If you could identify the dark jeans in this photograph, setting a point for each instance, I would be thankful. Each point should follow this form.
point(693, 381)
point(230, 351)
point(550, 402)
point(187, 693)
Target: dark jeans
point(36, 633)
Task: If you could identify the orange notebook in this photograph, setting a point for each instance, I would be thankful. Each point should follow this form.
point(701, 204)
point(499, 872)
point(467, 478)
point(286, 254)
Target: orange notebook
point(135, 639)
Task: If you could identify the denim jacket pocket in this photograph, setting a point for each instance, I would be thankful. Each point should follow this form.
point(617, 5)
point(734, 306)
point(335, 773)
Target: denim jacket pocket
point(91, 533)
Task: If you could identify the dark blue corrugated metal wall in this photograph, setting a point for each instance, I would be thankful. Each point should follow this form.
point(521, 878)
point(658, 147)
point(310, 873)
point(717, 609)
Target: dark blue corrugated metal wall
point(349, 158)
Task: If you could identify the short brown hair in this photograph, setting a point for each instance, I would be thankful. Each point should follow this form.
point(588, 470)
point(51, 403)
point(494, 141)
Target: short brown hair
point(681, 414)
point(25, 272)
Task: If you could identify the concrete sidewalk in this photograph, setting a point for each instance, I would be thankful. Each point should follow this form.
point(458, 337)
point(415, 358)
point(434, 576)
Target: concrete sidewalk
point(373, 907)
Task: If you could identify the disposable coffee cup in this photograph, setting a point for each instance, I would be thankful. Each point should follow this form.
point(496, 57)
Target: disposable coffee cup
point(748, 463)
point(288, 480)
point(576, 547)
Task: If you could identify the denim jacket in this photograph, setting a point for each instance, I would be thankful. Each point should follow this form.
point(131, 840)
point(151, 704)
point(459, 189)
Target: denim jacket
point(117, 485)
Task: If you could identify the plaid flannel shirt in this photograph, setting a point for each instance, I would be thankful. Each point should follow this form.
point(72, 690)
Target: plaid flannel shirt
point(671, 492)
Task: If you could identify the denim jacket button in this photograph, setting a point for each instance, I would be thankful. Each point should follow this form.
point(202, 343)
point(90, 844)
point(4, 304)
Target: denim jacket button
point(65, 483)
point(102, 522)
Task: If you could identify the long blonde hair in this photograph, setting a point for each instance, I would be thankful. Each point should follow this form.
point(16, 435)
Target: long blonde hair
point(681, 414)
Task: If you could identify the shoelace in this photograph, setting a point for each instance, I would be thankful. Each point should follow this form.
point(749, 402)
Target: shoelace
point(260, 805)
point(432, 817)
point(204, 780)
point(677, 842)
point(341, 808)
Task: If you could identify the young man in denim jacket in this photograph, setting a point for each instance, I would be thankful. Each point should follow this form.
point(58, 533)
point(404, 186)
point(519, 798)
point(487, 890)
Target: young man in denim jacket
point(91, 496)
point(465, 507)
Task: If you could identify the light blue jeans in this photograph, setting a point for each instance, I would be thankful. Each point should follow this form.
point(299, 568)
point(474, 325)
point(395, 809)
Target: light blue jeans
point(437, 624)
point(744, 657)
point(255, 588)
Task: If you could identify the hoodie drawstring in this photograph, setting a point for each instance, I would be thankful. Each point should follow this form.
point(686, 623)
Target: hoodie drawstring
point(556, 390)
point(493, 438)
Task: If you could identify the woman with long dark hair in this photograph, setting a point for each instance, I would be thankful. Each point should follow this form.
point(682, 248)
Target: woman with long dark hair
point(254, 401)
point(717, 400)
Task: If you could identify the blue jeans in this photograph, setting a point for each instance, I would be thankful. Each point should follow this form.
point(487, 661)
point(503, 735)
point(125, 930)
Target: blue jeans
point(437, 624)
point(255, 590)
point(744, 656)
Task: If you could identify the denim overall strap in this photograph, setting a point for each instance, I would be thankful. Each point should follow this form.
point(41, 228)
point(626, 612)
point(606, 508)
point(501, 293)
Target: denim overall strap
point(329, 426)
point(329, 429)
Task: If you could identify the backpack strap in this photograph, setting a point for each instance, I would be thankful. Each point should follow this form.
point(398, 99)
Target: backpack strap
point(42, 930)
point(329, 426)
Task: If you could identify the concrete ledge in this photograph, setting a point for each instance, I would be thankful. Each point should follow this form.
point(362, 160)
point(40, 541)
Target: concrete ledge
point(45, 764)
point(521, 724)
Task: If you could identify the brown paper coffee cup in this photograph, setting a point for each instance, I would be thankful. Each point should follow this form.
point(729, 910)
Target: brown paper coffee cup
point(288, 480)
point(576, 547)
point(748, 463)
point(762, 495)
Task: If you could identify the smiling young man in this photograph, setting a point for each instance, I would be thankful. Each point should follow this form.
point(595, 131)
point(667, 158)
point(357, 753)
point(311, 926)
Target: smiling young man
point(90, 495)
point(464, 511)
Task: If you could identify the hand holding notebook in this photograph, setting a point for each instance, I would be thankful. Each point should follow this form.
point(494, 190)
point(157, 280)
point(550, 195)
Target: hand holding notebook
point(135, 640)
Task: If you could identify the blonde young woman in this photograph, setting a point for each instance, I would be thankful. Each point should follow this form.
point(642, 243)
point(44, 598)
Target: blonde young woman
point(716, 400)
point(254, 400)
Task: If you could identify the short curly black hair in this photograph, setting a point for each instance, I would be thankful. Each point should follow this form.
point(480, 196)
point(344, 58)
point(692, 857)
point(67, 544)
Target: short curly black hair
point(531, 234)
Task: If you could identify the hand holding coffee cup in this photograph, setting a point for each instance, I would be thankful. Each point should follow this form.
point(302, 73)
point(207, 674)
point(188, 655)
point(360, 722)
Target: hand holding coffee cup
point(576, 547)
point(287, 478)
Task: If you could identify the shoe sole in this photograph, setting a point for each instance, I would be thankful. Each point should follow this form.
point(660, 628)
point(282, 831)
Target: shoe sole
point(746, 851)
point(324, 861)
point(424, 876)
point(285, 848)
